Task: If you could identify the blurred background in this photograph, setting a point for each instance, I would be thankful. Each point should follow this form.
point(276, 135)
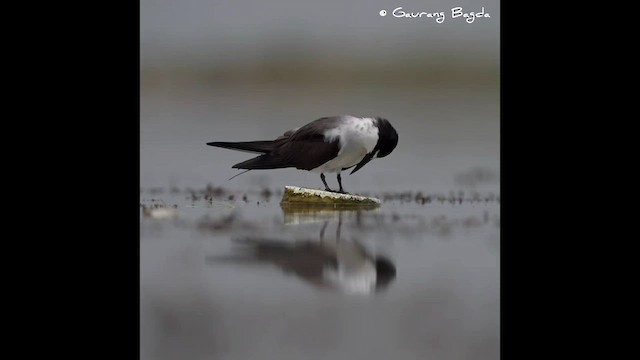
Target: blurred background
point(214, 70)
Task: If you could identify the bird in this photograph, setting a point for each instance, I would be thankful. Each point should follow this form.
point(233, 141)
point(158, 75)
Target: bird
point(342, 266)
point(327, 145)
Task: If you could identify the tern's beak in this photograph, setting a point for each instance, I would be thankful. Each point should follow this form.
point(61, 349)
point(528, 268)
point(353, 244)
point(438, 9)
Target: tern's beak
point(364, 161)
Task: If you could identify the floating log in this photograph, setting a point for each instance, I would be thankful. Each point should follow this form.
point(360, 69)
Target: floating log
point(295, 196)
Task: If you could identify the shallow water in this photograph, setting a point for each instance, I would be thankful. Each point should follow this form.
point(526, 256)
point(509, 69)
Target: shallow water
point(209, 291)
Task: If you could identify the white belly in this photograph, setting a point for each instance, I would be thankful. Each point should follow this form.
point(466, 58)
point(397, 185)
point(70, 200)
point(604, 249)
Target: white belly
point(346, 158)
point(355, 272)
point(357, 138)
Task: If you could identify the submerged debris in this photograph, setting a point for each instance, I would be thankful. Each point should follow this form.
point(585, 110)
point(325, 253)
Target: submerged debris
point(157, 212)
point(266, 193)
point(211, 193)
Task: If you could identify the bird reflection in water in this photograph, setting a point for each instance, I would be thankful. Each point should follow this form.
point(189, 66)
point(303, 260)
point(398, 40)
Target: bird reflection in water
point(330, 264)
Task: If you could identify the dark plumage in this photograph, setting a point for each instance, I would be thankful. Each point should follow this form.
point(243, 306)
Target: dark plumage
point(329, 144)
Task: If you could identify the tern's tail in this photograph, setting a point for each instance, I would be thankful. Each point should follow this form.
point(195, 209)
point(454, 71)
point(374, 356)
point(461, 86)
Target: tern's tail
point(267, 160)
point(263, 162)
point(261, 147)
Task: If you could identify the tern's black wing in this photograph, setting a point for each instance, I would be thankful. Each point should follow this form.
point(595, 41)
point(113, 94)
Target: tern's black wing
point(304, 148)
point(305, 259)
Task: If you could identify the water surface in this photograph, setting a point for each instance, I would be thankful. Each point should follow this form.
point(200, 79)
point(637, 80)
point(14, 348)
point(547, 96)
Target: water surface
point(207, 292)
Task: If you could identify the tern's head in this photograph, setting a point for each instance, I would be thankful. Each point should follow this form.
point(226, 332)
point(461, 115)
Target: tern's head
point(385, 272)
point(387, 137)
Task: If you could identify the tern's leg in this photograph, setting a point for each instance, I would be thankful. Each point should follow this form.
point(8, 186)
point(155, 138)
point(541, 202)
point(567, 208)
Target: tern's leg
point(324, 227)
point(340, 182)
point(339, 226)
point(324, 181)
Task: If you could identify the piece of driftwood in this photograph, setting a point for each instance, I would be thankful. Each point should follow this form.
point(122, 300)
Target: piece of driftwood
point(303, 197)
point(160, 213)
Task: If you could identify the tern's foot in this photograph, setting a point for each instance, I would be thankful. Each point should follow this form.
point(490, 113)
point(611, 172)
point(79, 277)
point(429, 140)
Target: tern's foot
point(337, 191)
